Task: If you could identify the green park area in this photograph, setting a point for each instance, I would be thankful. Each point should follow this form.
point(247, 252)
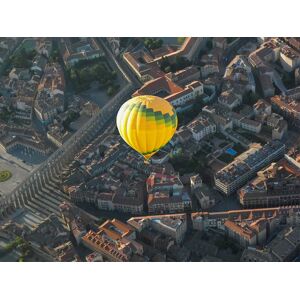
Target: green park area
point(83, 73)
point(5, 175)
point(23, 56)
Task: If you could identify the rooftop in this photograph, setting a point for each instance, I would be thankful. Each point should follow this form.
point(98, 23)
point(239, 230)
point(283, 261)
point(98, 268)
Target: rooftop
point(247, 161)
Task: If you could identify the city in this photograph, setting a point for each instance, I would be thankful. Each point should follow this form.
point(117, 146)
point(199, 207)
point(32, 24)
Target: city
point(226, 188)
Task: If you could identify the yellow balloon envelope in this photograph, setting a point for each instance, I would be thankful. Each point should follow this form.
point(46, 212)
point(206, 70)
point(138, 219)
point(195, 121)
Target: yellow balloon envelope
point(147, 123)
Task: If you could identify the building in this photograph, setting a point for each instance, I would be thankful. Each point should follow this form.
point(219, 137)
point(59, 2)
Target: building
point(286, 245)
point(129, 199)
point(114, 43)
point(146, 64)
point(114, 240)
point(250, 125)
point(269, 51)
point(16, 137)
point(297, 76)
point(184, 76)
point(162, 202)
point(201, 127)
point(262, 107)
point(293, 42)
point(19, 74)
point(174, 226)
point(94, 257)
point(230, 99)
point(247, 234)
point(209, 69)
point(56, 234)
point(24, 107)
point(278, 125)
point(280, 131)
point(276, 185)
point(160, 157)
point(66, 253)
point(294, 93)
point(220, 42)
point(288, 107)
point(166, 194)
point(58, 135)
point(47, 106)
point(50, 98)
point(183, 135)
point(163, 182)
point(245, 123)
point(219, 116)
point(205, 196)
point(244, 167)
point(266, 84)
point(7, 46)
point(143, 65)
point(104, 200)
point(83, 49)
point(203, 221)
point(195, 182)
point(239, 72)
point(251, 254)
point(170, 91)
point(209, 65)
point(76, 220)
point(273, 120)
point(289, 58)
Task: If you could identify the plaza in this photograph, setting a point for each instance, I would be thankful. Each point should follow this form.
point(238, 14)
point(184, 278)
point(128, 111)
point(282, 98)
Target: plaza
point(18, 168)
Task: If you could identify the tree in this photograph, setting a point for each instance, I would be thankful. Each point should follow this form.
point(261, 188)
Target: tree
point(159, 43)
point(181, 63)
point(124, 41)
point(180, 40)
point(85, 75)
point(201, 53)
point(55, 54)
point(114, 75)
point(135, 42)
point(288, 79)
point(209, 45)
point(153, 43)
point(165, 63)
point(85, 72)
point(110, 90)
point(250, 98)
point(167, 69)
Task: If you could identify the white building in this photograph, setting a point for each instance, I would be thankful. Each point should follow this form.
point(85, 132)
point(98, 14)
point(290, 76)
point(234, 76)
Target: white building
point(201, 127)
point(245, 166)
point(196, 182)
point(289, 58)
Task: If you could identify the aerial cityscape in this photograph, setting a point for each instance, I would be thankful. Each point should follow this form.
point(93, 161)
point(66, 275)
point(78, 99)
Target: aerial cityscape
point(221, 184)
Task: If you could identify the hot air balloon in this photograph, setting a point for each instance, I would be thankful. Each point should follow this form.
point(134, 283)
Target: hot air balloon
point(147, 124)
